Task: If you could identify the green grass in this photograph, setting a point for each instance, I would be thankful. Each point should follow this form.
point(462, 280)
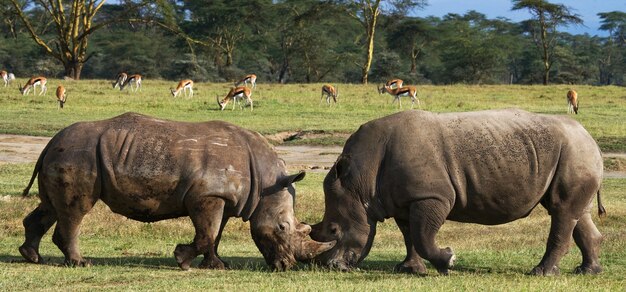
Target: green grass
point(297, 106)
point(130, 255)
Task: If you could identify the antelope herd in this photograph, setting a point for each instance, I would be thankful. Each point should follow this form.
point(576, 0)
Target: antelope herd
point(239, 94)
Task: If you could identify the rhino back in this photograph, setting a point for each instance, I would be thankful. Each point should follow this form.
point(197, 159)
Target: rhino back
point(491, 166)
point(145, 167)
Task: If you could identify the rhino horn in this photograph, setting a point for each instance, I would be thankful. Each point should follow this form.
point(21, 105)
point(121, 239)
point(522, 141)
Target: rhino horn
point(311, 248)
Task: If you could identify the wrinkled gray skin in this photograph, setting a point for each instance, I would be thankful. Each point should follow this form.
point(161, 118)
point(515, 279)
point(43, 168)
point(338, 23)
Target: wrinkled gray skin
point(488, 167)
point(149, 170)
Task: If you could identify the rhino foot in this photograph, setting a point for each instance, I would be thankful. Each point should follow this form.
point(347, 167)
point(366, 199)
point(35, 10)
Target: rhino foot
point(542, 271)
point(411, 267)
point(449, 259)
point(31, 254)
point(588, 269)
point(213, 264)
point(184, 254)
point(77, 263)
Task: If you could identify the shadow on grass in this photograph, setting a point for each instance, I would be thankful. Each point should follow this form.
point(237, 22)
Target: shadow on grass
point(157, 263)
point(258, 264)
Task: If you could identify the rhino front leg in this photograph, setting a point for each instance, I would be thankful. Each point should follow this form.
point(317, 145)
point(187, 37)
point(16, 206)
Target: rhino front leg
point(206, 214)
point(413, 263)
point(209, 259)
point(588, 239)
point(426, 218)
point(36, 224)
point(561, 229)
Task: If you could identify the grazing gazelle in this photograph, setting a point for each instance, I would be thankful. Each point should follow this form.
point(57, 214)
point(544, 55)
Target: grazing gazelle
point(248, 78)
point(120, 79)
point(5, 77)
point(32, 84)
point(402, 91)
point(329, 91)
point(132, 79)
point(572, 101)
point(236, 94)
point(61, 95)
point(183, 85)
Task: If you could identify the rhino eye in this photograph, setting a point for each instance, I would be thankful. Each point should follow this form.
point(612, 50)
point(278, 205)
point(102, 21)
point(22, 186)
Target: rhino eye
point(334, 229)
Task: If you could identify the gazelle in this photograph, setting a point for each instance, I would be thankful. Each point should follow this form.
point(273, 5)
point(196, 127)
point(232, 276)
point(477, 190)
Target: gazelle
point(61, 95)
point(397, 83)
point(402, 91)
point(32, 83)
point(120, 79)
point(183, 85)
point(572, 101)
point(329, 91)
point(5, 77)
point(132, 79)
point(248, 78)
point(235, 94)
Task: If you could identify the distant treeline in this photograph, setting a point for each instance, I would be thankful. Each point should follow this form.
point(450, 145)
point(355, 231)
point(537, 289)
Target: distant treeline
point(309, 41)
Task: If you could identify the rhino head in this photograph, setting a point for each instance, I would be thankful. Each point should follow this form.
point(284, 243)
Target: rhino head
point(279, 235)
point(345, 219)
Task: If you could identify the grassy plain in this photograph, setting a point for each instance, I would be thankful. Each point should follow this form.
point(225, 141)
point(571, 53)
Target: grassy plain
point(129, 255)
point(297, 107)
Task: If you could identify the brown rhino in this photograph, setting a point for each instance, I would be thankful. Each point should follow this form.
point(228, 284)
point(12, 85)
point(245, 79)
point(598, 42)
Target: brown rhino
point(486, 167)
point(149, 169)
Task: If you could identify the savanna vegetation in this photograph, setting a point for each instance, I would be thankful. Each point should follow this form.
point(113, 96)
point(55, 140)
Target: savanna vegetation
point(307, 42)
point(129, 255)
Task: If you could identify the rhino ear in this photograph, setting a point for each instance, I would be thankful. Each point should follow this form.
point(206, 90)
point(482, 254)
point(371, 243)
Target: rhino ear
point(293, 178)
point(342, 166)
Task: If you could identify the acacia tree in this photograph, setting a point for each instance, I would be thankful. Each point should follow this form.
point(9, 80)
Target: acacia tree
point(543, 27)
point(366, 12)
point(73, 21)
point(409, 37)
point(611, 61)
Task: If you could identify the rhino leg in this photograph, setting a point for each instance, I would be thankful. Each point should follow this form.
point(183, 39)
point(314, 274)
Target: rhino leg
point(561, 230)
point(208, 261)
point(66, 232)
point(36, 224)
point(206, 213)
point(588, 239)
point(413, 263)
point(426, 218)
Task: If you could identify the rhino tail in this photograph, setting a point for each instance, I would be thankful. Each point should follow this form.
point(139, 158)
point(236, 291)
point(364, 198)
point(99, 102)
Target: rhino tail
point(601, 210)
point(35, 171)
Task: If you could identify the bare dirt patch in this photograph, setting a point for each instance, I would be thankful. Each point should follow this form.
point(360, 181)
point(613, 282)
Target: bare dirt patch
point(23, 149)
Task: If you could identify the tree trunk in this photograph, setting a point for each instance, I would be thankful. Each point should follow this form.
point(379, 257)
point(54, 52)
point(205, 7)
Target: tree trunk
point(414, 54)
point(73, 69)
point(546, 72)
point(370, 50)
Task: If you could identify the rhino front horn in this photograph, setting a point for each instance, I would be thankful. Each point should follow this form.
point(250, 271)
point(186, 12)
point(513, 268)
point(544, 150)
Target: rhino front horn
point(311, 248)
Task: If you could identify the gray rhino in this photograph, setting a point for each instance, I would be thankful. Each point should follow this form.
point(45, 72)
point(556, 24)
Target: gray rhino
point(486, 167)
point(149, 169)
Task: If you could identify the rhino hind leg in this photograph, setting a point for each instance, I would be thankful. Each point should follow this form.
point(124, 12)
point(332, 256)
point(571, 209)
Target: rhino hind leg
point(36, 224)
point(561, 229)
point(66, 232)
point(412, 263)
point(425, 219)
point(588, 239)
point(206, 213)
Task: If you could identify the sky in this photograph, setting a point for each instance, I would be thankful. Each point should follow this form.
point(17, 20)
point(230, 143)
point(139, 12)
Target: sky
point(587, 9)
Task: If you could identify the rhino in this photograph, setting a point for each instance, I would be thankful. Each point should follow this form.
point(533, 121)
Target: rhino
point(149, 169)
point(486, 167)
